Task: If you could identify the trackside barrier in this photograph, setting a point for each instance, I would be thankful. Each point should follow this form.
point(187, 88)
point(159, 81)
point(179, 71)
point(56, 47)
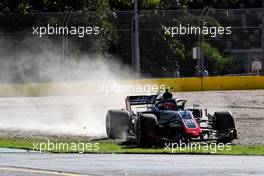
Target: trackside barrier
point(177, 84)
point(233, 83)
point(46, 89)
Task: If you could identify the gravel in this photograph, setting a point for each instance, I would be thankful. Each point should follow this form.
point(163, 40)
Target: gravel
point(70, 117)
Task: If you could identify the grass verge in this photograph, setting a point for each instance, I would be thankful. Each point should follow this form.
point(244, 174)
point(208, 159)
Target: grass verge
point(109, 146)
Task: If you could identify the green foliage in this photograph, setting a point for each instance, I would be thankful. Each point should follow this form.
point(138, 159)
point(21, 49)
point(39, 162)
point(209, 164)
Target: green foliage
point(177, 49)
point(25, 6)
point(148, 4)
point(108, 34)
point(120, 4)
point(61, 5)
point(214, 61)
point(165, 4)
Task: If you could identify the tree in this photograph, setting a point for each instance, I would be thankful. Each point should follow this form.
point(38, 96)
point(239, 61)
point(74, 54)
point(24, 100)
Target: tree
point(214, 61)
point(25, 6)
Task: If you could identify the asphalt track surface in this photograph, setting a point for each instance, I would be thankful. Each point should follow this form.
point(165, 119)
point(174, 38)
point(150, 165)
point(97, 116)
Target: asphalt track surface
point(19, 162)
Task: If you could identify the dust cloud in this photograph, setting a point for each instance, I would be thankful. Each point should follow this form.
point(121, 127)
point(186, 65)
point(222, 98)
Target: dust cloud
point(40, 60)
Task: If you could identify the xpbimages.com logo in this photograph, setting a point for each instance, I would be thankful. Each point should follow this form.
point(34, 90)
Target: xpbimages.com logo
point(79, 147)
point(212, 31)
point(192, 147)
point(80, 31)
point(115, 87)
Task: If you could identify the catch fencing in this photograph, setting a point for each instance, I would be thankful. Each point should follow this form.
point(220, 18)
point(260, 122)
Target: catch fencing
point(65, 46)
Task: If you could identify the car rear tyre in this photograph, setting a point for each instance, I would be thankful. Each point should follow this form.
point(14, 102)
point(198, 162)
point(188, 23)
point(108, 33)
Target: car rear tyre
point(146, 128)
point(117, 122)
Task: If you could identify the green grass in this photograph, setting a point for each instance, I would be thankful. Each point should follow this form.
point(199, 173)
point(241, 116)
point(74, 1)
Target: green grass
point(109, 146)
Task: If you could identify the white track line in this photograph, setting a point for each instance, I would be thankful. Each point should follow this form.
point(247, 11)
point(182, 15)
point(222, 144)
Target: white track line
point(37, 171)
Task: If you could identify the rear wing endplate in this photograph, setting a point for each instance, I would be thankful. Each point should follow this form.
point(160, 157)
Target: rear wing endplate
point(139, 100)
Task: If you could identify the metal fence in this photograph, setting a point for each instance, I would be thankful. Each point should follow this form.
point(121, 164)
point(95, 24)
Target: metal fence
point(223, 54)
point(27, 57)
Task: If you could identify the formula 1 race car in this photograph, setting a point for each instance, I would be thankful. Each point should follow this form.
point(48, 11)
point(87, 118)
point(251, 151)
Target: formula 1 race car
point(165, 118)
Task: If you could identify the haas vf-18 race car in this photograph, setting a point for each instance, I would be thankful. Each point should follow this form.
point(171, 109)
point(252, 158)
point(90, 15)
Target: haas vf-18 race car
point(153, 118)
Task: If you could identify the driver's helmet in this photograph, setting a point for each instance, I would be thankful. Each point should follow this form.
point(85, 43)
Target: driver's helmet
point(169, 105)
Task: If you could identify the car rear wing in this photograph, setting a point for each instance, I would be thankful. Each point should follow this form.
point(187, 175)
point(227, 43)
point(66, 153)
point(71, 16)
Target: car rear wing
point(139, 100)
